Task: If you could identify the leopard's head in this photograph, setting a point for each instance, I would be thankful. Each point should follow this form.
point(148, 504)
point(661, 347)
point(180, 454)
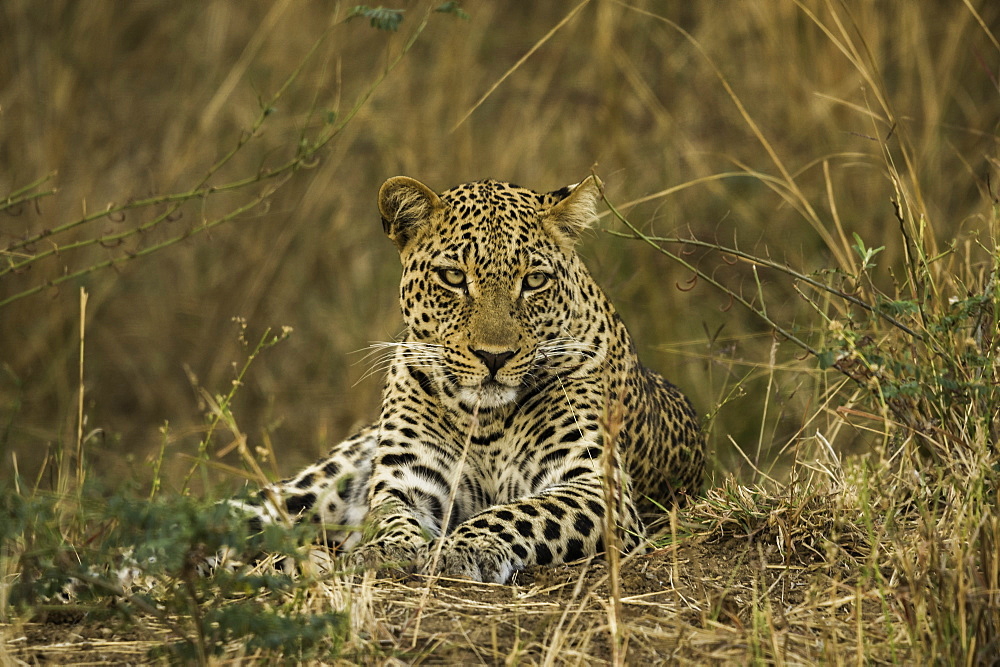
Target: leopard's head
point(493, 292)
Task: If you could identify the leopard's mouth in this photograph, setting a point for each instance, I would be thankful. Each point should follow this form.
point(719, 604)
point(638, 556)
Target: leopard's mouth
point(482, 391)
point(488, 393)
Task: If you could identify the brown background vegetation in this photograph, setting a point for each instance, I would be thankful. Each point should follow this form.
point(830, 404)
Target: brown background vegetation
point(122, 100)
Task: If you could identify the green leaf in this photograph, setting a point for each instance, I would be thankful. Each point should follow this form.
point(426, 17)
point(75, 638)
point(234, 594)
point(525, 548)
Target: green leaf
point(859, 245)
point(866, 254)
point(379, 17)
point(452, 7)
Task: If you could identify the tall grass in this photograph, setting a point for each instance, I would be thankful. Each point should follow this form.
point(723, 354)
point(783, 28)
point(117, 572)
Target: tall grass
point(813, 188)
point(151, 105)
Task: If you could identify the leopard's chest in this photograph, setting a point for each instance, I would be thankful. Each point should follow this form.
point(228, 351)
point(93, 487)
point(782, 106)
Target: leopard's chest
point(521, 460)
point(496, 468)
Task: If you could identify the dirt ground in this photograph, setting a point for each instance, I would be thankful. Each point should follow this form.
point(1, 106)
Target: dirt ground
point(729, 601)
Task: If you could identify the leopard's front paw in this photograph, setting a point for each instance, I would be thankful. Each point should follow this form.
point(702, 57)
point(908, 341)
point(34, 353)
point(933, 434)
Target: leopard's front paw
point(388, 556)
point(476, 559)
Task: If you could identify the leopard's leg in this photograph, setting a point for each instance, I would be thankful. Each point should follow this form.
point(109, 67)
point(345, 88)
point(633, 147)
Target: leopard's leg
point(563, 523)
point(561, 520)
point(408, 500)
point(551, 509)
point(331, 492)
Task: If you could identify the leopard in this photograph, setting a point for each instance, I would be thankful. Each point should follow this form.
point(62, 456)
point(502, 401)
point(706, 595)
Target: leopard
point(517, 426)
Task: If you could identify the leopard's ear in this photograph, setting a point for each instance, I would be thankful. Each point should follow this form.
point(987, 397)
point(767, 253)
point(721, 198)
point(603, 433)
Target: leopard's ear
point(406, 205)
point(574, 207)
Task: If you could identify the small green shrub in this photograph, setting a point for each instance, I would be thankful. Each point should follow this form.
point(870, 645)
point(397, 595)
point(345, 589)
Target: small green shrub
point(140, 557)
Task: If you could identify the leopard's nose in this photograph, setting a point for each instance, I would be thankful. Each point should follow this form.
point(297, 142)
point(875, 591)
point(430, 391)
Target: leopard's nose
point(494, 361)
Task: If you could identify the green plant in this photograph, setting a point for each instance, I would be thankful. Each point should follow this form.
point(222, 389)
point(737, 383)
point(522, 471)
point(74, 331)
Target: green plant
point(192, 564)
point(119, 555)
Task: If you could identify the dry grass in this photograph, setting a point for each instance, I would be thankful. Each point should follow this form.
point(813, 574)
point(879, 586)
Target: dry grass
point(852, 511)
point(783, 575)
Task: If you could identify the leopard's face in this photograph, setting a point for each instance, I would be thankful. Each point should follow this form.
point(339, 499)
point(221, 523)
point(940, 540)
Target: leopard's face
point(491, 291)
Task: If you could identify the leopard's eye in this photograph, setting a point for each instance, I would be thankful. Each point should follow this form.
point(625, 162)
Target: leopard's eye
point(452, 277)
point(534, 281)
